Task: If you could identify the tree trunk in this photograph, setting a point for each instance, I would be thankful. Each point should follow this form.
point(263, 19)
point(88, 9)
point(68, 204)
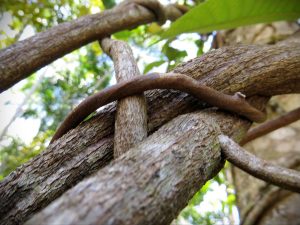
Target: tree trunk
point(263, 70)
point(259, 202)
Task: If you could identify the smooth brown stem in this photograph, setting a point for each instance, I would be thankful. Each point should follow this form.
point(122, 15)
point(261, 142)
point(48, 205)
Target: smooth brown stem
point(271, 125)
point(131, 115)
point(137, 85)
point(282, 177)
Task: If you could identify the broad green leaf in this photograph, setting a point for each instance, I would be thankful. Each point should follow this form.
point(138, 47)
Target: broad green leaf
point(216, 15)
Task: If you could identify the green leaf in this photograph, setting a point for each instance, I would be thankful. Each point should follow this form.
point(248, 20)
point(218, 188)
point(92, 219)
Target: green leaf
point(109, 3)
point(173, 53)
point(150, 66)
point(200, 45)
point(216, 15)
point(123, 35)
point(29, 113)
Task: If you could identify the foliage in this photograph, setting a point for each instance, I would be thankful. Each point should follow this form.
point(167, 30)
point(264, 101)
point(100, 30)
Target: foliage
point(216, 15)
point(57, 94)
point(17, 153)
point(197, 213)
point(109, 3)
point(40, 15)
point(67, 80)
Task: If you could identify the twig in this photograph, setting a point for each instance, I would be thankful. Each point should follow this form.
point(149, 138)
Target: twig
point(271, 125)
point(282, 177)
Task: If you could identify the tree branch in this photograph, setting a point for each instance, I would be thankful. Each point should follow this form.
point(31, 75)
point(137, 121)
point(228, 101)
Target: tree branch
point(25, 57)
point(259, 168)
point(131, 115)
point(271, 125)
point(233, 103)
point(252, 70)
point(140, 186)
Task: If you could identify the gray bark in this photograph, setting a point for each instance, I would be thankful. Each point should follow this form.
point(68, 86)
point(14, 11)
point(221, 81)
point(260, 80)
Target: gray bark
point(288, 179)
point(153, 181)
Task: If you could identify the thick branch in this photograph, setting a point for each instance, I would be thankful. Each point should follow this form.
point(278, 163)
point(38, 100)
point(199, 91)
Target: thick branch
point(141, 185)
point(262, 70)
point(259, 168)
point(131, 115)
point(25, 57)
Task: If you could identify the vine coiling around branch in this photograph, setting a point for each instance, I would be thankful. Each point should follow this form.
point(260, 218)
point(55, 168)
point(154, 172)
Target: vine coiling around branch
point(233, 103)
point(152, 5)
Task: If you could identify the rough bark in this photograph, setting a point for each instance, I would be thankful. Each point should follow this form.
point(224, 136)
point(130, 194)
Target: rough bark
point(262, 70)
point(260, 202)
point(25, 57)
point(131, 114)
point(140, 186)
